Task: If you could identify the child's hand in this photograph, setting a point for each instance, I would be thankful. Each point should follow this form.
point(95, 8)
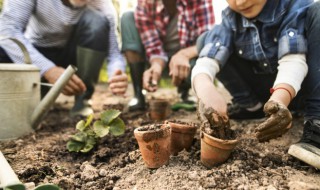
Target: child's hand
point(278, 123)
point(211, 121)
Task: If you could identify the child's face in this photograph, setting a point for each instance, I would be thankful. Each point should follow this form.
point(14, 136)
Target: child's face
point(247, 8)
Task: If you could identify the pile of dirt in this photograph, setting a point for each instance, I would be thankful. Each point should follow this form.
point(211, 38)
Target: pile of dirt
point(116, 163)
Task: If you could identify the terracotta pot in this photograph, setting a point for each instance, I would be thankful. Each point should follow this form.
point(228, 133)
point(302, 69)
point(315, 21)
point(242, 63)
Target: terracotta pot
point(159, 109)
point(154, 145)
point(215, 151)
point(182, 135)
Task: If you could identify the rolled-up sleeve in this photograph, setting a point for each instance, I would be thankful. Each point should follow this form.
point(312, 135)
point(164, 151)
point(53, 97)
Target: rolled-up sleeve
point(292, 39)
point(218, 43)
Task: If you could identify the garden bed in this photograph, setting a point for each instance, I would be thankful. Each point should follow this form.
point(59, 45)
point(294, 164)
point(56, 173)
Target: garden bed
point(116, 163)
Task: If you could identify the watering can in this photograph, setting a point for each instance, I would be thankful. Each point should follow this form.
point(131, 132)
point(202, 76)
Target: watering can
point(20, 107)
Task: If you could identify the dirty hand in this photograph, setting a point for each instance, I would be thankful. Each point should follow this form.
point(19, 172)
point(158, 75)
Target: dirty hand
point(151, 77)
point(74, 86)
point(179, 68)
point(278, 123)
point(118, 83)
point(212, 122)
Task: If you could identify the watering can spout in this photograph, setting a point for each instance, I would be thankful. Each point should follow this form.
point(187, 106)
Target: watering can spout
point(51, 96)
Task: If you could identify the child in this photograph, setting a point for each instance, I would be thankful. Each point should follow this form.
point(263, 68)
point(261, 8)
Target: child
point(261, 47)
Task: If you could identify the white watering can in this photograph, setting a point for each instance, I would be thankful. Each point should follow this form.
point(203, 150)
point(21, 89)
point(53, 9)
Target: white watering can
point(20, 107)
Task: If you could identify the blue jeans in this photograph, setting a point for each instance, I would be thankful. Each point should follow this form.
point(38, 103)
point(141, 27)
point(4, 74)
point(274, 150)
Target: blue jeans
point(248, 86)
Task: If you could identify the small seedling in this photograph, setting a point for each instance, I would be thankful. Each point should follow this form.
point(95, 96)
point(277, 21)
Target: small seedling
point(90, 132)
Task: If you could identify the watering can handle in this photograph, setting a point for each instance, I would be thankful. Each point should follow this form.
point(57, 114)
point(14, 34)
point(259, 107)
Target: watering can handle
point(23, 48)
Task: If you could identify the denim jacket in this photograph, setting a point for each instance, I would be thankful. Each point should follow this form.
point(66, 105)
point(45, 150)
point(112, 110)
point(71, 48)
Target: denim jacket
point(278, 30)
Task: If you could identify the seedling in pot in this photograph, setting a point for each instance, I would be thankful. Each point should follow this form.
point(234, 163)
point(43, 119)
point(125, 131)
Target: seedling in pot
point(217, 138)
point(90, 131)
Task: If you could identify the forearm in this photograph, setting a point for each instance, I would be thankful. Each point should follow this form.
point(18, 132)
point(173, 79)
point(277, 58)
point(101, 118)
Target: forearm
point(190, 52)
point(291, 72)
point(149, 34)
point(203, 86)
point(159, 63)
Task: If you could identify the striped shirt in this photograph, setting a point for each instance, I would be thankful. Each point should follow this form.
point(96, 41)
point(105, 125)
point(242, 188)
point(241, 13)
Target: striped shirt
point(194, 18)
point(49, 23)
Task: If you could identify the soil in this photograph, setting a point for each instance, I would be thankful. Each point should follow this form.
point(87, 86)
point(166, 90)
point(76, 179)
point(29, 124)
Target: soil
point(116, 163)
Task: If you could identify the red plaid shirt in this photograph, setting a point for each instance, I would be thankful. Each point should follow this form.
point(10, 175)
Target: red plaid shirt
point(195, 17)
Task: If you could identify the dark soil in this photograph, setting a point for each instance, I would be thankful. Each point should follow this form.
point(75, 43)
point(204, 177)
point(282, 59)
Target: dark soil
point(116, 163)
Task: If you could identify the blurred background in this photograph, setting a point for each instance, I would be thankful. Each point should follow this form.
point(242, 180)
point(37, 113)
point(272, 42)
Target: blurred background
point(122, 6)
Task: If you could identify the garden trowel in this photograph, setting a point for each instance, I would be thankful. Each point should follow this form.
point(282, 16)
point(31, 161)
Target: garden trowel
point(10, 181)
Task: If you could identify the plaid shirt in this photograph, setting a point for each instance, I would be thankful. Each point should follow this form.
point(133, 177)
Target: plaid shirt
point(194, 18)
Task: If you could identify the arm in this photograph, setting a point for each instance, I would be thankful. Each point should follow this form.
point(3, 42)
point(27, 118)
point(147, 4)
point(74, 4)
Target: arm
point(118, 80)
point(13, 21)
point(203, 20)
point(179, 64)
point(14, 18)
point(115, 59)
point(292, 70)
point(144, 17)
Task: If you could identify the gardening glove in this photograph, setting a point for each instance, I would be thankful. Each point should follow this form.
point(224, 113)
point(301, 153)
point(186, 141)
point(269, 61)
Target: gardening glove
point(278, 123)
point(212, 122)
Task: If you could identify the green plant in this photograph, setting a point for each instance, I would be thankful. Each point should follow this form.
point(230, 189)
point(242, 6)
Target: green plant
point(90, 132)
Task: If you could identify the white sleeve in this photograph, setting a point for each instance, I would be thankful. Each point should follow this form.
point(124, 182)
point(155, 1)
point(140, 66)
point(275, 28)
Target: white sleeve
point(205, 65)
point(292, 70)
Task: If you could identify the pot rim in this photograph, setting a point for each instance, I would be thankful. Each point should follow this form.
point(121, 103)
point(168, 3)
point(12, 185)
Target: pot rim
point(163, 132)
point(224, 144)
point(181, 127)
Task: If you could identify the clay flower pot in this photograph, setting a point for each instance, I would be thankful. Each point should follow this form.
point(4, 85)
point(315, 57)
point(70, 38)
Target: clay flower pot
point(182, 135)
point(215, 151)
point(154, 144)
point(159, 109)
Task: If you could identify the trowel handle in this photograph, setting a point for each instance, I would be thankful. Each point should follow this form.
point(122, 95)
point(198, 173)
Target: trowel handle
point(7, 175)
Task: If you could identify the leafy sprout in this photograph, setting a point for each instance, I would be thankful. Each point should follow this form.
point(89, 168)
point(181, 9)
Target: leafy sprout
point(90, 131)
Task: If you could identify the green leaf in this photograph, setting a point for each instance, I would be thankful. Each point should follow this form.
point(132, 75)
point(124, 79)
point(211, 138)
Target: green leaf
point(91, 142)
point(75, 146)
point(100, 129)
point(80, 137)
point(81, 125)
point(109, 115)
point(117, 127)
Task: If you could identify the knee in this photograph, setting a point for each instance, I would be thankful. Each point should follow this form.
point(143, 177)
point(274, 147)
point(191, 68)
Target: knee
point(127, 21)
point(94, 23)
point(127, 17)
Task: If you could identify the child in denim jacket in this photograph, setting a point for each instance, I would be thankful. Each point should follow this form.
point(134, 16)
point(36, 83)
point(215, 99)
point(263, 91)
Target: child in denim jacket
point(263, 47)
